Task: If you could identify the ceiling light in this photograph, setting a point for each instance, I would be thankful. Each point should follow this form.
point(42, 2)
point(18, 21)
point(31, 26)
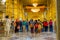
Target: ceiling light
point(3, 1)
point(35, 10)
point(35, 4)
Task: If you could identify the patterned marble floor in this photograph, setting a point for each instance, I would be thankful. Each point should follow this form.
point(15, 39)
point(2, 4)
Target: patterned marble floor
point(28, 36)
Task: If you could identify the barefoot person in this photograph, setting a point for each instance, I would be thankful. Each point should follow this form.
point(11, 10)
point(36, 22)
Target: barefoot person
point(7, 25)
point(31, 24)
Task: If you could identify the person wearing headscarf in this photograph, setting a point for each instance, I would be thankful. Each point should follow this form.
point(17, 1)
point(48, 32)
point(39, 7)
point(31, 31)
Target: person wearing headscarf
point(7, 25)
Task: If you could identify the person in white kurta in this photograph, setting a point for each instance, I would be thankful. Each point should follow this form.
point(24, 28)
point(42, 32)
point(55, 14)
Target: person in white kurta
point(7, 26)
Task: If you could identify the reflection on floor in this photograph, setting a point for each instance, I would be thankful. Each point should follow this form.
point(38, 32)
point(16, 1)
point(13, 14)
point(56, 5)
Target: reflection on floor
point(27, 36)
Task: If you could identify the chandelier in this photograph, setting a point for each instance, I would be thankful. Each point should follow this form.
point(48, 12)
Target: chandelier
point(35, 9)
point(35, 4)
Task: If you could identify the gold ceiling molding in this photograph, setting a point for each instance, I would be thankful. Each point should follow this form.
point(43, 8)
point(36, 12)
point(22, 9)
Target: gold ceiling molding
point(28, 2)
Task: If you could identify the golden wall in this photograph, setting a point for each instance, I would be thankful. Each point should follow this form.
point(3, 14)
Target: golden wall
point(14, 9)
point(35, 16)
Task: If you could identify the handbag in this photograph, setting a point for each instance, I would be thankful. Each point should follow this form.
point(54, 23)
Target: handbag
point(18, 27)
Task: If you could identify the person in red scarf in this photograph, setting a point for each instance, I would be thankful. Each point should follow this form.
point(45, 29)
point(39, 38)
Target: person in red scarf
point(45, 25)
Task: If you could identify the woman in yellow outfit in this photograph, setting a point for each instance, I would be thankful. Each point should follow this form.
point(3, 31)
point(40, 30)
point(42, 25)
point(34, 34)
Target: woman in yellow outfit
point(39, 28)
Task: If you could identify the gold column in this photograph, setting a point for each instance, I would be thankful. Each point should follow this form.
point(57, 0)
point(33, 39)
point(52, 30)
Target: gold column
point(1, 10)
point(18, 10)
point(58, 19)
point(21, 11)
point(14, 8)
point(9, 8)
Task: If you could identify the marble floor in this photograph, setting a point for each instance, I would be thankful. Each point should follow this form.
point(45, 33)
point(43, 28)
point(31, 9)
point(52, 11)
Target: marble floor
point(28, 36)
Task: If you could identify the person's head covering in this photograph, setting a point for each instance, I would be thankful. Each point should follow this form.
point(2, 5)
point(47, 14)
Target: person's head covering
point(38, 19)
point(7, 16)
point(50, 19)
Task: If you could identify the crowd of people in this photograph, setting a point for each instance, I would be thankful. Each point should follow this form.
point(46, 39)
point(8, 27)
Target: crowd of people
point(33, 26)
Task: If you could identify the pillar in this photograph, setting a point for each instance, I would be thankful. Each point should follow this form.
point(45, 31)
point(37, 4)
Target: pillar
point(58, 19)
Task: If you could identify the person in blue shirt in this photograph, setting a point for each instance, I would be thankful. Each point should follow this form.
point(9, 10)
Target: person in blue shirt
point(21, 26)
point(27, 26)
